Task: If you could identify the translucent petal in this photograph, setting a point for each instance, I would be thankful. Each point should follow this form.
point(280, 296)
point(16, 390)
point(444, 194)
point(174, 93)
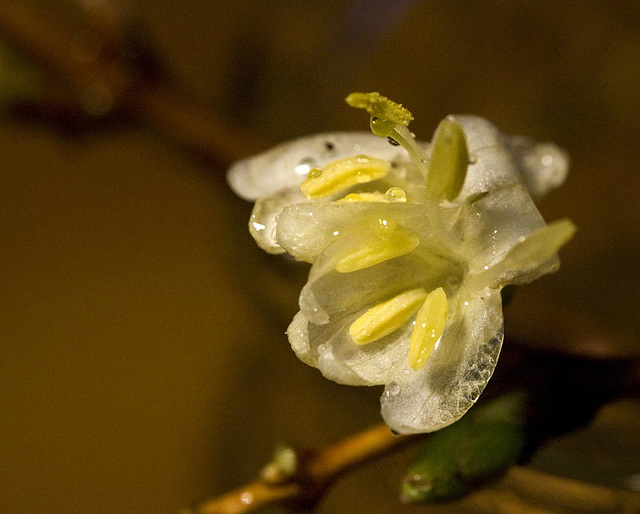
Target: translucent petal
point(263, 220)
point(455, 374)
point(306, 230)
point(491, 163)
point(287, 164)
point(329, 293)
point(490, 226)
point(544, 166)
point(497, 160)
point(309, 342)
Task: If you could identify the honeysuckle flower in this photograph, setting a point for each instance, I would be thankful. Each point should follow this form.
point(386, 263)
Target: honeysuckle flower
point(410, 245)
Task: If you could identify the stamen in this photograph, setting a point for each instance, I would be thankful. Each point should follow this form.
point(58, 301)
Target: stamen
point(386, 317)
point(388, 243)
point(343, 173)
point(430, 323)
point(448, 164)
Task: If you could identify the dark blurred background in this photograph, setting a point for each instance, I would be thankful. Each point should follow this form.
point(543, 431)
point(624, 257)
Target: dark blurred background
point(144, 365)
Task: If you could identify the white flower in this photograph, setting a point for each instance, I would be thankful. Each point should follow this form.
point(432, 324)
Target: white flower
point(411, 244)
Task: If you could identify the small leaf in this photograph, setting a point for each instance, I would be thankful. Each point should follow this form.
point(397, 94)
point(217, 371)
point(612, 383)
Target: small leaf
point(462, 456)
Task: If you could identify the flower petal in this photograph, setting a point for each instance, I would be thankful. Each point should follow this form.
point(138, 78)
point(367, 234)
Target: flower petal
point(288, 164)
point(455, 374)
point(263, 221)
point(308, 342)
point(544, 166)
point(492, 225)
point(305, 230)
point(491, 164)
point(497, 160)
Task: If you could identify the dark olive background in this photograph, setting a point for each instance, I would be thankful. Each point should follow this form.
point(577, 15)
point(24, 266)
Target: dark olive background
point(144, 365)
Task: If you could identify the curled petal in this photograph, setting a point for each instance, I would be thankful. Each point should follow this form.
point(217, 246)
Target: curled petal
point(287, 164)
point(264, 216)
point(490, 163)
point(455, 374)
point(496, 160)
point(544, 166)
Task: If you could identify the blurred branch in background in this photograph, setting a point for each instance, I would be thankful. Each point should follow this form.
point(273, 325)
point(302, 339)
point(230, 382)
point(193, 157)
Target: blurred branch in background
point(309, 475)
point(107, 75)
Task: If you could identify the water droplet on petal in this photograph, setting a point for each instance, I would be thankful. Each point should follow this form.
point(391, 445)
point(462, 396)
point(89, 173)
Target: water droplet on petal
point(304, 166)
point(392, 141)
point(392, 389)
point(396, 194)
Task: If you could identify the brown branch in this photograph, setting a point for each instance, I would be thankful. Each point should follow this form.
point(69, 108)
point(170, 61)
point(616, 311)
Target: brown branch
point(317, 469)
point(106, 81)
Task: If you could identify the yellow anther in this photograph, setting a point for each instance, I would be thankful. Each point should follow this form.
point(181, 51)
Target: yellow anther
point(386, 317)
point(385, 114)
point(448, 164)
point(540, 245)
point(379, 248)
point(364, 197)
point(343, 173)
point(430, 323)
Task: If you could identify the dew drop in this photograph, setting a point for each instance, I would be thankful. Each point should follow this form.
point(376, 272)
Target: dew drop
point(396, 194)
point(305, 166)
point(392, 141)
point(315, 173)
point(392, 389)
point(472, 396)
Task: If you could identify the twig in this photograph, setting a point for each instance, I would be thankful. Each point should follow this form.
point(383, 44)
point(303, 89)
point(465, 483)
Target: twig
point(317, 469)
point(103, 85)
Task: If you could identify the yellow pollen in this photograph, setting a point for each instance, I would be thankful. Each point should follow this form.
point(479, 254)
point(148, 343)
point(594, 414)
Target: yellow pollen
point(386, 317)
point(379, 248)
point(343, 173)
point(430, 323)
point(448, 164)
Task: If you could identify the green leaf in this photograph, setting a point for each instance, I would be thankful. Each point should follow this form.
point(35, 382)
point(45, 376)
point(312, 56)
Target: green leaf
point(477, 448)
